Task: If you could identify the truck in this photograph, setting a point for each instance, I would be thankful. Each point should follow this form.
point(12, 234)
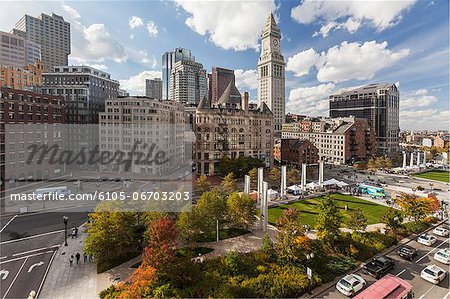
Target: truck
point(379, 266)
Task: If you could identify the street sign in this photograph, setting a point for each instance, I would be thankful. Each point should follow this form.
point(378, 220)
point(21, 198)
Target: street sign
point(309, 272)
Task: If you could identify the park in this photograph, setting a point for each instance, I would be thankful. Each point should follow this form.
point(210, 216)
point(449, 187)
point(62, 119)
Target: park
point(435, 175)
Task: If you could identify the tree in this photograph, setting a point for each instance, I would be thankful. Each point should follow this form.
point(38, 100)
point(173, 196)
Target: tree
point(267, 246)
point(290, 230)
point(110, 233)
point(417, 207)
point(241, 210)
point(162, 236)
point(139, 284)
point(274, 176)
point(371, 164)
point(253, 173)
point(328, 221)
point(202, 184)
point(229, 183)
point(293, 176)
point(358, 220)
point(388, 163)
point(393, 219)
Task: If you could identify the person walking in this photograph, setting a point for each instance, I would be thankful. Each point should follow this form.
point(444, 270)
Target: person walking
point(78, 255)
point(84, 257)
point(71, 260)
point(76, 232)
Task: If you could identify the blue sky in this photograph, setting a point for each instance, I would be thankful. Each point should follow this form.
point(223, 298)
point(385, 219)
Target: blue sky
point(328, 45)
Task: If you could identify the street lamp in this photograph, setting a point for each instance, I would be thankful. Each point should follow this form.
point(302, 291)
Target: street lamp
point(309, 258)
point(65, 219)
point(431, 186)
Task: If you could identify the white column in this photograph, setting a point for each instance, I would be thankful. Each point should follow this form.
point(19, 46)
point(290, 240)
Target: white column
point(260, 183)
point(411, 160)
point(418, 159)
point(265, 206)
point(303, 180)
point(404, 160)
point(247, 184)
point(424, 158)
point(283, 181)
point(321, 174)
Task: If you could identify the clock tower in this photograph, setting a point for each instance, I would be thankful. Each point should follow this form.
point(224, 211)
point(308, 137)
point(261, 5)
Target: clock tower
point(271, 80)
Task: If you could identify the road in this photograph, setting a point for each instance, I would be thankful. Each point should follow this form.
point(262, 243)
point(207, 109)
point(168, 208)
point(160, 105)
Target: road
point(28, 243)
point(410, 272)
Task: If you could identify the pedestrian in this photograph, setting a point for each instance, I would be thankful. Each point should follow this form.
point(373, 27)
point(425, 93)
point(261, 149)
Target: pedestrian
point(71, 260)
point(84, 257)
point(90, 257)
point(76, 231)
point(73, 233)
point(78, 255)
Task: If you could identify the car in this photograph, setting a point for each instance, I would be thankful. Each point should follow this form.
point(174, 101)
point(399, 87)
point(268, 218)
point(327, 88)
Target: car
point(379, 266)
point(443, 256)
point(350, 284)
point(433, 274)
point(440, 231)
point(426, 239)
point(117, 180)
point(104, 179)
point(407, 252)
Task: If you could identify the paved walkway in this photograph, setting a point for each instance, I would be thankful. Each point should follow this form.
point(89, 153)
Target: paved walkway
point(79, 281)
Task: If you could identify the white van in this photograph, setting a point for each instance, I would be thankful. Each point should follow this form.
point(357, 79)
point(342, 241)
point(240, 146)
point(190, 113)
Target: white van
point(57, 190)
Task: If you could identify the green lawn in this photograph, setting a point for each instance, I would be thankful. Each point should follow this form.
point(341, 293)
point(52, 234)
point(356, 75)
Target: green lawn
point(435, 175)
point(309, 210)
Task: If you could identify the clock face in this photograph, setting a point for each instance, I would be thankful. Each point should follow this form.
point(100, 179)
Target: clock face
point(275, 42)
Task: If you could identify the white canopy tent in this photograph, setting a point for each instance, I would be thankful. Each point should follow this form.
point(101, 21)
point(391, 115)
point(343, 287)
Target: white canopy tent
point(272, 194)
point(312, 185)
point(332, 181)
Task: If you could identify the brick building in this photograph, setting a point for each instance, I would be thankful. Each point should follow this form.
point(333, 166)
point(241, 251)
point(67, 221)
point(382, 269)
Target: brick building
point(298, 151)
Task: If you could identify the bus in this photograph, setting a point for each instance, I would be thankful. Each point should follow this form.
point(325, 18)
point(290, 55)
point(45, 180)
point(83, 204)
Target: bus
point(372, 190)
point(64, 190)
point(387, 287)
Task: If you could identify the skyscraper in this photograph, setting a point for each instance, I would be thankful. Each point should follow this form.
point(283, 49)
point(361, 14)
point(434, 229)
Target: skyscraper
point(271, 79)
point(168, 60)
point(52, 33)
point(153, 88)
point(379, 104)
point(16, 51)
point(187, 82)
point(218, 81)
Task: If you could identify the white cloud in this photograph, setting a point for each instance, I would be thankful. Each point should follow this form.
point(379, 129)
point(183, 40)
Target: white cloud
point(311, 101)
point(346, 61)
point(71, 11)
point(94, 64)
point(302, 62)
point(350, 15)
point(246, 80)
point(229, 24)
point(420, 98)
point(152, 28)
point(135, 22)
point(426, 119)
point(148, 60)
point(135, 85)
point(95, 43)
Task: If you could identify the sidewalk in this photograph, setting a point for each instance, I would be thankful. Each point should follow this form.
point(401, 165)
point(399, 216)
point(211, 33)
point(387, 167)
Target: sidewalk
point(79, 281)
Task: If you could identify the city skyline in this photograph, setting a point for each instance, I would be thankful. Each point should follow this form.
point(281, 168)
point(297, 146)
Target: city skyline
point(319, 43)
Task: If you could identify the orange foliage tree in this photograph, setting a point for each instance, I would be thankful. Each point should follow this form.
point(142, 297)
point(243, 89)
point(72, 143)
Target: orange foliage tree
point(417, 207)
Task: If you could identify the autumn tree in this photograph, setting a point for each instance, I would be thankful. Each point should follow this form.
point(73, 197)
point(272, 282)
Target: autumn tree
point(417, 207)
point(275, 176)
point(202, 184)
point(228, 183)
point(253, 173)
point(371, 164)
point(357, 221)
point(267, 246)
point(110, 233)
point(241, 210)
point(140, 284)
point(328, 221)
point(290, 230)
point(293, 176)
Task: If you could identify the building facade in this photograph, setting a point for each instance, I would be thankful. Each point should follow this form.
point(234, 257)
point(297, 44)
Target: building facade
point(379, 104)
point(271, 73)
point(441, 141)
point(218, 81)
point(230, 129)
point(23, 78)
point(85, 89)
point(129, 120)
point(298, 151)
point(187, 82)
point(153, 88)
point(168, 60)
point(16, 51)
point(52, 33)
point(28, 118)
point(339, 140)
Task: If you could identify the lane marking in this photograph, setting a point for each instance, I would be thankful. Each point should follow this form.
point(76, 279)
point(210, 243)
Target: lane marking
point(446, 296)
point(401, 272)
point(3, 257)
point(423, 296)
point(34, 266)
point(432, 250)
point(7, 223)
point(15, 277)
point(34, 250)
point(33, 236)
point(26, 257)
point(45, 274)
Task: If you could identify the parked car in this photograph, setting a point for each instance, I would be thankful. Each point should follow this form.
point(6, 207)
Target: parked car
point(350, 284)
point(426, 239)
point(443, 256)
point(433, 274)
point(379, 266)
point(407, 252)
point(440, 231)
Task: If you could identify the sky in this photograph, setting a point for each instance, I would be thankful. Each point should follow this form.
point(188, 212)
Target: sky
point(328, 46)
